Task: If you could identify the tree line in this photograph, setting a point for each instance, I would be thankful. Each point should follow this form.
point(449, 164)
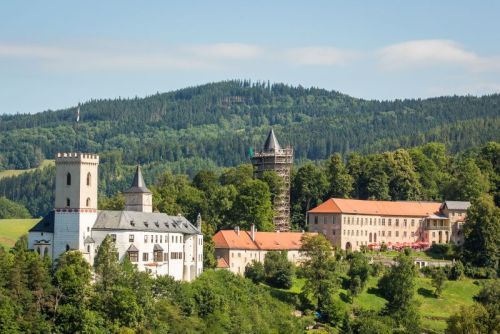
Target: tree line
point(220, 122)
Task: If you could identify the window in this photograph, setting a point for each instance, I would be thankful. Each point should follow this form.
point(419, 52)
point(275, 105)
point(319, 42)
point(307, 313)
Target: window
point(412, 222)
point(151, 238)
point(405, 224)
point(89, 180)
point(88, 248)
point(404, 234)
point(88, 202)
point(145, 256)
point(357, 233)
point(113, 237)
point(315, 219)
point(133, 256)
point(383, 222)
point(68, 202)
point(389, 222)
point(146, 239)
point(131, 238)
point(383, 233)
point(433, 234)
point(68, 179)
point(397, 222)
point(161, 239)
point(324, 220)
point(158, 256)
point(412, 234)
point(389, 233)
point(165, 257)
point(156, 238)
point(397, 233)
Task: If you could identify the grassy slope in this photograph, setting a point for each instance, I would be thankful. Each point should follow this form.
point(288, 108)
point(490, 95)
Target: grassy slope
point(15, 172)
point(434, 311)
point(12, 229)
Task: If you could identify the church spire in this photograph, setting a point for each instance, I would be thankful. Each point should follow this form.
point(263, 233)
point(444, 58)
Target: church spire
point(271, 143)
point(138, 197)
point(138, 184)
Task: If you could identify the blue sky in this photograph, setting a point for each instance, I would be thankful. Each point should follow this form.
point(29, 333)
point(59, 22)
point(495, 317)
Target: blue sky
point(54, 54)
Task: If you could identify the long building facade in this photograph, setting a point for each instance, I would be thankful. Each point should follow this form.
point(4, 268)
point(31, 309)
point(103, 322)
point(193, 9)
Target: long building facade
point(275, 158)
point(235, 249)
point(155, 242)
point(349, 223)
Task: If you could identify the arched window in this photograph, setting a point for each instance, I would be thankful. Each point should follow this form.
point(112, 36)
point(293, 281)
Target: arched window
point(89, 179)
point(68, 179)
point(88, 202)
point(68, 202)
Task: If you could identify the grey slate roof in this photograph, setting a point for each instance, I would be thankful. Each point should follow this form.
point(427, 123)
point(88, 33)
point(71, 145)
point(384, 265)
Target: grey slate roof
point(89, 240)
point(45, 225)
point(271, 143)
point(143, 221)
point(132, 248)
point(138, 184)
point(457, 205)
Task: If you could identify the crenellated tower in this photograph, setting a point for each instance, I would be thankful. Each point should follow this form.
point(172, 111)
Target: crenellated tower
point(275, 158)
point(75, 202)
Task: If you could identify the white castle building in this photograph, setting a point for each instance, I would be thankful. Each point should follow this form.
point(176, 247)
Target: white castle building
point(155, 242)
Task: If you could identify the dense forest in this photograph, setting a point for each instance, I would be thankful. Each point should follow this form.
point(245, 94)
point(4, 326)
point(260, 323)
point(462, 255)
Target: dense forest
point(217, 124)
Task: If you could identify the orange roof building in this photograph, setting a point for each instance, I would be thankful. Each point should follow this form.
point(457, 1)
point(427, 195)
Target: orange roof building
point(351, 223)
point(239, 248)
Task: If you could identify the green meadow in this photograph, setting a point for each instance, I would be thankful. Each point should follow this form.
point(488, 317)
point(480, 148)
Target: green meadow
point(12, 229)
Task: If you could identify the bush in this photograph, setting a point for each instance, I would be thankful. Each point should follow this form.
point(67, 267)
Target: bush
point(442, 251)
point(480, 272)
point(457, 271)
point(278, 270)
point(377, 268)
point(255, 272)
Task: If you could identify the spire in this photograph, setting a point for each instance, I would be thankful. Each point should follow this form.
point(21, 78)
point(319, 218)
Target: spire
point(198, 221)
point(271, 142)
point(138, 184)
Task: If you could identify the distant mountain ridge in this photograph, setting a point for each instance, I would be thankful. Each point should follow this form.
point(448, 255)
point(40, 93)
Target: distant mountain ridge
point(219, 122)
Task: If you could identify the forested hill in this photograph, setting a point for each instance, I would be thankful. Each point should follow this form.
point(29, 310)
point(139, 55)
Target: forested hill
point(217, 124)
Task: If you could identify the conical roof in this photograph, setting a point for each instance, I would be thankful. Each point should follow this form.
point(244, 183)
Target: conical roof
point(271, 143)
point(138, 184)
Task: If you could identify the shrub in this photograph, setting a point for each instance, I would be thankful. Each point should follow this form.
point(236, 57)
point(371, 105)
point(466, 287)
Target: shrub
point(255, 271)
point(457, 271)
point(278, 270)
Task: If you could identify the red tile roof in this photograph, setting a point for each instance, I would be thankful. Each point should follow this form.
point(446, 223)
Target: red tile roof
point(221, 263)
point(382, 208)
point(263, 240)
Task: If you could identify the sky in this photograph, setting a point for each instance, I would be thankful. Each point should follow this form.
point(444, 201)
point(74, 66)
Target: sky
point(55, 54)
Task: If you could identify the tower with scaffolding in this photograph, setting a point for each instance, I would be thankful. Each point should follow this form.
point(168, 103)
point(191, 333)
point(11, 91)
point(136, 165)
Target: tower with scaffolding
point(275, 158)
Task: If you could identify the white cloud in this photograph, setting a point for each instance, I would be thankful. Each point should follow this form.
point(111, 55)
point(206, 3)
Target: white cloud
point(433, 52)
point(319, 55)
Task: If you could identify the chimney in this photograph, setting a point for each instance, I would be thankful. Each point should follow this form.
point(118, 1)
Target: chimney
point(237, 230)
point(252, 232)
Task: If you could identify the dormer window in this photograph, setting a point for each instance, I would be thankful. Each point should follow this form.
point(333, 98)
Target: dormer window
point(68, 179)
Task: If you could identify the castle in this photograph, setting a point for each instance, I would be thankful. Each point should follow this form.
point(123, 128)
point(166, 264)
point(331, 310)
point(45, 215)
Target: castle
point(155, 242)
point(275, 158)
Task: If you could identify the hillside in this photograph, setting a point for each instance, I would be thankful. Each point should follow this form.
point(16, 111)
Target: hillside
point(12, 229)
point(216, 125)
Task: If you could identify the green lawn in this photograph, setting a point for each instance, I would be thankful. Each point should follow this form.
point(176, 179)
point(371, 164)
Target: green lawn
point(15, 172)
point(12, 229)
point(434, 311)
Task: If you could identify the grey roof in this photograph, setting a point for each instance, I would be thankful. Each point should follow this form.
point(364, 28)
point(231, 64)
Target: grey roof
point(138, 184)
point(457, 205)
point(89, 240)
point(157, 247)
point(143, 221)
point(271, 143)
point(45, 225)
point(132, 248)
